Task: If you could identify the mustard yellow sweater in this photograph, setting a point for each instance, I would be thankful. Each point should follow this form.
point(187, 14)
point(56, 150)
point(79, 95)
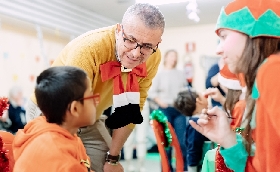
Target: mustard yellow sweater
point(94, 48)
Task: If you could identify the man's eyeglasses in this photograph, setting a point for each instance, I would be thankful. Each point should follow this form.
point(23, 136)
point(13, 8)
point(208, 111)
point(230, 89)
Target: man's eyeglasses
point(145, 49)
point(95, 97)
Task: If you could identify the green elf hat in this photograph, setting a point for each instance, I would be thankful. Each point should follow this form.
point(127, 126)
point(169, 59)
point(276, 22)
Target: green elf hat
point(252, 17)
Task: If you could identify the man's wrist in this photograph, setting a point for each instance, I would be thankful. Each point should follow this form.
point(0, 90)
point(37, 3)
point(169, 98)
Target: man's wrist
point(112, 159)
point(113, 162)
point(113, 153)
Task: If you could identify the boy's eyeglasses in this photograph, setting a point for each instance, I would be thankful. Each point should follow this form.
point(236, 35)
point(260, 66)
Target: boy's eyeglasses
point(95, 97)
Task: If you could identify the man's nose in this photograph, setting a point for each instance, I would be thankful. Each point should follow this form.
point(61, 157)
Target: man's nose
point(136, 52)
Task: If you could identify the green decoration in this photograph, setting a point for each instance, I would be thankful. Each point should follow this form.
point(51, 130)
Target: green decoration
point(244, 21)
point(255, 91)
point(162, 119)
point(239, 130)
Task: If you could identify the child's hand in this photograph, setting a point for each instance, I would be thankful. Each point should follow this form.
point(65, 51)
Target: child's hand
point(214, 124)
point(215, 94)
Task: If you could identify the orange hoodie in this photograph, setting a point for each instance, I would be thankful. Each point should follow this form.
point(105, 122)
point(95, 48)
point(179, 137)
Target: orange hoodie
point(47, 147)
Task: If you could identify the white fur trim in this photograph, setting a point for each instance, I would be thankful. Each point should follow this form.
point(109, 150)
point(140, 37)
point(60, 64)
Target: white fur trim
point(243, 94)
point(229, 83)
point(126, 98)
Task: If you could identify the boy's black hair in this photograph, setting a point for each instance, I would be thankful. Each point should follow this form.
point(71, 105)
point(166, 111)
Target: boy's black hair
point(185, 102)
point(56, 88)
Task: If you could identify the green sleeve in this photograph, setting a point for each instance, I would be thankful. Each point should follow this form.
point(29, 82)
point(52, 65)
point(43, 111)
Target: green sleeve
point(235, 157)
point(209, 161)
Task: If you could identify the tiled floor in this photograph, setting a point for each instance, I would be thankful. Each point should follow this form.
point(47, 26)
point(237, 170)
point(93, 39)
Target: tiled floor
point(152, 164)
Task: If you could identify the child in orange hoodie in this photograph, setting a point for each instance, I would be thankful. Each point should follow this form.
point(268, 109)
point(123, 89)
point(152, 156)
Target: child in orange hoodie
point(49, 143)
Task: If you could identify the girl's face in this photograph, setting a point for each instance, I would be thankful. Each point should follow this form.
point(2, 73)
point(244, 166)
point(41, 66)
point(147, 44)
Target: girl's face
point(171, 59)
point(231, 47)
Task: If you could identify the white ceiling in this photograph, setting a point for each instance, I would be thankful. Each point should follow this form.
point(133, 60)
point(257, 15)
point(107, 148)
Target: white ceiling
point(175, 14)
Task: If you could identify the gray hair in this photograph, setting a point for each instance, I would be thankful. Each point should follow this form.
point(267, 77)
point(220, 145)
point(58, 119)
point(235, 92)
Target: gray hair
point(14, 91)
point(149, 14)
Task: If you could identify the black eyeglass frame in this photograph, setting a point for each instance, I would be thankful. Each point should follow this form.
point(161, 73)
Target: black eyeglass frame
point(137, 44)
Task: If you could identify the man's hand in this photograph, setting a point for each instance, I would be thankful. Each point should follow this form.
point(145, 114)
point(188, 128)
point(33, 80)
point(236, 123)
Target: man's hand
point(112, 168)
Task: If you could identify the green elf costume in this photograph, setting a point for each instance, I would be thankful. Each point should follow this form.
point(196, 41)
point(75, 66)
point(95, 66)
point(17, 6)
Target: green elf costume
point(257, 18)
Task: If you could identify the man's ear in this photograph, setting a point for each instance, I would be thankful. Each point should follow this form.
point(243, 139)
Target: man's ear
point(74, 108)
point(119, 28)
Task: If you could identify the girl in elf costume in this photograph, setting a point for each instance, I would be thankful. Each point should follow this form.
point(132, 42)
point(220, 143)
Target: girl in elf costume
point(235, 106)
point(250, 44)
point(235, 97)
point(234, 103)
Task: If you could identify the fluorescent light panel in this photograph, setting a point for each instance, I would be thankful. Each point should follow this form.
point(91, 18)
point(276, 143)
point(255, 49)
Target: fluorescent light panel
point(160, 2)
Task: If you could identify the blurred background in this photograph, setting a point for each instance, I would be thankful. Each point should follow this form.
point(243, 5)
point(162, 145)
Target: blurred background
point(33, 32)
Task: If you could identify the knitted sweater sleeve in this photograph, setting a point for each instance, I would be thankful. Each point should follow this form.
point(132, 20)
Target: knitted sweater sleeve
point(235, 157)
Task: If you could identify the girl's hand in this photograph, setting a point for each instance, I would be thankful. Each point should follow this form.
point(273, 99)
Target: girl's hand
point(215, 125)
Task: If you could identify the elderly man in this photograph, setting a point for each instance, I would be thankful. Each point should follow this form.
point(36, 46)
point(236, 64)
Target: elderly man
point(121, 61)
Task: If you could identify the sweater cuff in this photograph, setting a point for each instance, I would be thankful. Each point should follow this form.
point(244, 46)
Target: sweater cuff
point(131, 126)
point(236, 156)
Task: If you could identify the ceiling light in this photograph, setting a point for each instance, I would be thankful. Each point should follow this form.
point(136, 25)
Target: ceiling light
point(160, 2)
point(192, 10)
point(192, 6)
point(193, 16)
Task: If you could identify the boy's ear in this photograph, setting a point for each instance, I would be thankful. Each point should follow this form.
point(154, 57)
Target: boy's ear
point(198, 100)
point(74, 108)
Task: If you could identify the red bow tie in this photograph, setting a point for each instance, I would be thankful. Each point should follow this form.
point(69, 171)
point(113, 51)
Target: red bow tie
point(113, 70)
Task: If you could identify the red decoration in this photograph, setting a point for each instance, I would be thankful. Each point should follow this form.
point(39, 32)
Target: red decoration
point(220, 163)
point(31, 77)
point(3, 105)
point(189, 71)
point(4, 161)
point(190, 47)
point(37, 59)
point(51, 62)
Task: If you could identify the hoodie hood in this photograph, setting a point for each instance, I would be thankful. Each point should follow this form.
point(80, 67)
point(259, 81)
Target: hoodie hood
point(32, 130)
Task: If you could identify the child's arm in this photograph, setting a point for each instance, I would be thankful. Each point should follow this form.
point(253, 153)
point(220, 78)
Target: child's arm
point(235, 157)
point(195, 143)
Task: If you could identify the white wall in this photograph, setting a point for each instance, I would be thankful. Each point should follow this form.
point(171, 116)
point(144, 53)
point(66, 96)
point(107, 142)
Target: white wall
point(21, 45)
point(203, 36)
point(21, 59)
